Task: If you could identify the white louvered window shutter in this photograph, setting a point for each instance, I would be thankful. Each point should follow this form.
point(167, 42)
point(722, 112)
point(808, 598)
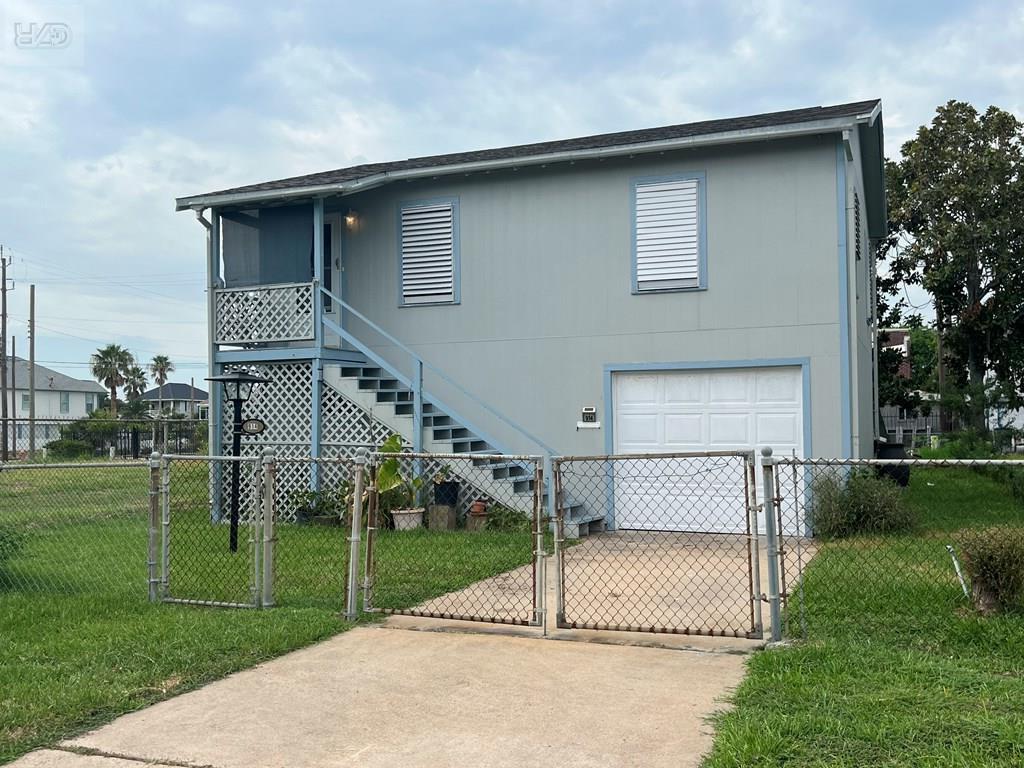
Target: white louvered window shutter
point(668, 235)
point(428, 253)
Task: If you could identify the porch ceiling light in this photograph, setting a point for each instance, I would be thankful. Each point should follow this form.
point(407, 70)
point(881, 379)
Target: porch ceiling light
point(351, 219)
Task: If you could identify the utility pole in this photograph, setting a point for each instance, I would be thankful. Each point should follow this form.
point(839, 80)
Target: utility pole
point(3, 352)
point(31, 372)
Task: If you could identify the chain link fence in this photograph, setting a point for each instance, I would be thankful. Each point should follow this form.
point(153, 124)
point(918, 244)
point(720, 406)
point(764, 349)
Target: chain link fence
point(455, 536)
point(877, 546)
point(95, 439)
point(73, 529)
point(679, 553)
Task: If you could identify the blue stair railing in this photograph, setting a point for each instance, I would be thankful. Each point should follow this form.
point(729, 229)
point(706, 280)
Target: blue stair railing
point(414, 381)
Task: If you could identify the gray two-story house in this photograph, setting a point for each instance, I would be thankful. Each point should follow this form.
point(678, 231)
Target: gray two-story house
point(703, 286)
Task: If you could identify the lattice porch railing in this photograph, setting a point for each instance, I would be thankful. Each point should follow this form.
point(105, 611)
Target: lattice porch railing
point(264, 313)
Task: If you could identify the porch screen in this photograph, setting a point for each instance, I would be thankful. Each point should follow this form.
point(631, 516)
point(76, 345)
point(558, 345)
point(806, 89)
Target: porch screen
point(667, 235)
point(428, 253)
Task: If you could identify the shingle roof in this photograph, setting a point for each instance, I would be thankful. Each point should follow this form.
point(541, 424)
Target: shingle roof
point(47, 379)
point(174, 390)
point(621, 138)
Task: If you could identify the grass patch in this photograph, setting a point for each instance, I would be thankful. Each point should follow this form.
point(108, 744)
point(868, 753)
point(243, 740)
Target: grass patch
point(80, 644)
point(897, 669)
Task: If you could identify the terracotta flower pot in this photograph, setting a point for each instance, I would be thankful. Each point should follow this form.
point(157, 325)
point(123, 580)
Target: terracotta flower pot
point(478, 507)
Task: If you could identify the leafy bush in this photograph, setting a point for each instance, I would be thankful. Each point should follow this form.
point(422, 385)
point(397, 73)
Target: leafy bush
point(328, 506)
point(502, 518)
point(968, 444)
point(861, 502)
point(994, 560)
point(69, 449)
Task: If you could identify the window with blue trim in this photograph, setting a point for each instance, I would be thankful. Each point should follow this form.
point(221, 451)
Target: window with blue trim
point(427, 253)
point(668, 234)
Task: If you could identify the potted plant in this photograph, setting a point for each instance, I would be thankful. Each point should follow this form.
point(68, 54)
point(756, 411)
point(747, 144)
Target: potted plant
point(399, 493)
point(446, 490)
point(323, 507)
point(477, 518)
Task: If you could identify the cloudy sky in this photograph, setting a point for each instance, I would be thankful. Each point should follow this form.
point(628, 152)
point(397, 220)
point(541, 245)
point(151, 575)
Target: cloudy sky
point(152, 100)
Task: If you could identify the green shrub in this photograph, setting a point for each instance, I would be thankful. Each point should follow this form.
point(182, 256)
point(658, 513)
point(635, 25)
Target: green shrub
point(69, 449)
point(861, 502)
point(328, 506)
point(994, 560)
point(502, 518)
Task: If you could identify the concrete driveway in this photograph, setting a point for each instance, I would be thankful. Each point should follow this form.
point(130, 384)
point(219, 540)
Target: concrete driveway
point(417, 692)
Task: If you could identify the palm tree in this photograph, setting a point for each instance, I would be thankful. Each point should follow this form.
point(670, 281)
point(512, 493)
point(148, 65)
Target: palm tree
point(134, 382)
point(109, 365)
point(160, 367)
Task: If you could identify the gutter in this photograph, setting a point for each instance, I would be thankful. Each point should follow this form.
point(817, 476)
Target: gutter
point(792, 130)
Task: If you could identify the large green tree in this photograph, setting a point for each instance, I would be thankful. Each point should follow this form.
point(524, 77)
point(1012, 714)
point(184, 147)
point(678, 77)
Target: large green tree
point(161, 367)
point(956, 228)
point(109, 365)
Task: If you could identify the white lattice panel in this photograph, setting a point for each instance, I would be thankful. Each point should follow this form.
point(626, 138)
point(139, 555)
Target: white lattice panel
point(343, 422)
point(264, 314)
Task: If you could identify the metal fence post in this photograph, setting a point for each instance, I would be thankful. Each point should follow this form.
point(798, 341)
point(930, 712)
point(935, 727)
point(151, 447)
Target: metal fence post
point(539, 556)
point(165, 520)
point(772, 543)
point(154, 526)
point(558, 552)
point(356, 523)
point(269, 467)
point(754, 528)
point(371, 536)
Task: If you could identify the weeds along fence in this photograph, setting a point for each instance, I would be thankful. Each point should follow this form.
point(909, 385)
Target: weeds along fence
point(885, 547)
point(59, 440)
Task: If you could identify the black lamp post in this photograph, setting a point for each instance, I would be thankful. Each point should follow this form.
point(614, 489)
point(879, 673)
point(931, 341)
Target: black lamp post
point(237, 388)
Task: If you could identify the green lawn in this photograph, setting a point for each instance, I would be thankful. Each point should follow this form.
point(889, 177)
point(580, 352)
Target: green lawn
point(80, 644)
point(896, 670)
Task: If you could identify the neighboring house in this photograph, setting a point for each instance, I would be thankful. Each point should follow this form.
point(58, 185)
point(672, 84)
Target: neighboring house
point(706, 286)
point(57, 398)
point(182, 399)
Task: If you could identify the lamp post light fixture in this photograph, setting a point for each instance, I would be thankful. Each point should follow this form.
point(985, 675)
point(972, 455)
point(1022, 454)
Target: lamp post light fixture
point(238, 386)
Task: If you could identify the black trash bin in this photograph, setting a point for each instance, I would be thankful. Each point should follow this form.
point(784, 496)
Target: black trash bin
point(899, 474)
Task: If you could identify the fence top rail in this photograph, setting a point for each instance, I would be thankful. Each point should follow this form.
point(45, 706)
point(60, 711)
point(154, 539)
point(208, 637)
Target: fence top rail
point(74, 465)
point(907, 462)
point(317, 460)
point(452, 456)
point(187, 457)
point(645, 456)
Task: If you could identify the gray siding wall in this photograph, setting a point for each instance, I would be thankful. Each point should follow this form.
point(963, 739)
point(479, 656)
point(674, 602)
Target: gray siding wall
point(546, 276)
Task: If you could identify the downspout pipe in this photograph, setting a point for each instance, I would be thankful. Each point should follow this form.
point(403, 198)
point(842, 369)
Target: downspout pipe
point(214, 411)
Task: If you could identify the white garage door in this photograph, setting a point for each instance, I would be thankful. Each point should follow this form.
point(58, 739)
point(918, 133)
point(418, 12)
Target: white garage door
point(700, 410)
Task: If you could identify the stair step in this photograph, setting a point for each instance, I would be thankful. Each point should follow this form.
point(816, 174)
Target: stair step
point(451, 433)
point(393, 396)
point(507, 470)
point(372, 384)
point(470, 445)
point(523, 486)
point(404, 409)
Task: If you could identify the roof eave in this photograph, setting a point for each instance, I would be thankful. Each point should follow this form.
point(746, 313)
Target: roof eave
point(831, 125)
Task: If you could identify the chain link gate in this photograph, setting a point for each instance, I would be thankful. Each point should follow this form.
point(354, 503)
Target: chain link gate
point(680, 549)
point(196, 564)
point(455, 536)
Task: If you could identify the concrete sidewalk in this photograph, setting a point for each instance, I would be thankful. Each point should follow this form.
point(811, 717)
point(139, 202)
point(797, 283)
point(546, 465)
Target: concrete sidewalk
point(388, 696)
